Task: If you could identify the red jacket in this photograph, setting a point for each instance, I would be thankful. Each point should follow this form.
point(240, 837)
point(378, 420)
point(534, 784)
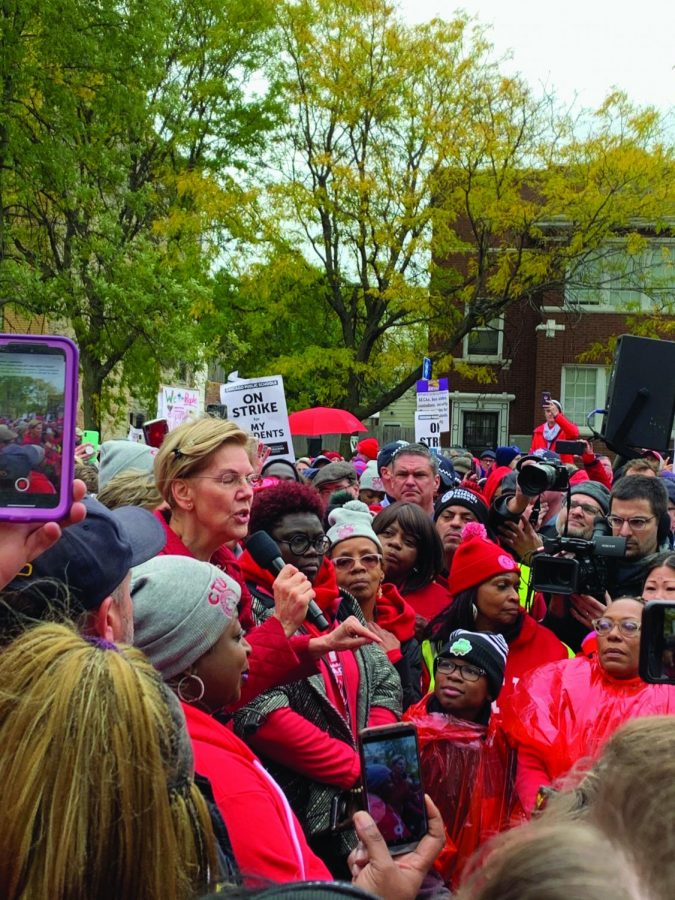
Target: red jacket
point(429, 600)
point(568, 432)
point(275, 659)
point(267, 839)
point(566, 711)
point(535, 646)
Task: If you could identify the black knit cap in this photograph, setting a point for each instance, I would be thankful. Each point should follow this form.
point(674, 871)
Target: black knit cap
point(483, 649)
point(461, 496)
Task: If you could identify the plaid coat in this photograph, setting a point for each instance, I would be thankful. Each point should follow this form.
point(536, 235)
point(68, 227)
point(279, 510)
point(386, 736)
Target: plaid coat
point(379, 685)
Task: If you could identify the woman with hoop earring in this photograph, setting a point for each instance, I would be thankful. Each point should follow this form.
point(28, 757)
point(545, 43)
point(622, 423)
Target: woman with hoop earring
point(186, 622)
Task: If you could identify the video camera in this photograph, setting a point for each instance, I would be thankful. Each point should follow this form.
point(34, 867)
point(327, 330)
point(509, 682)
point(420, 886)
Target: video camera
point(585, 571)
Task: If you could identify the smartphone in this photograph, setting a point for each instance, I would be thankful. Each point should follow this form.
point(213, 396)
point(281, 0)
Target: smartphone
point(392, 781)
point(545, 398)
point(93, 438)
point(154, 432)
point(38, 407)
point(657, 643)
point(574, 448)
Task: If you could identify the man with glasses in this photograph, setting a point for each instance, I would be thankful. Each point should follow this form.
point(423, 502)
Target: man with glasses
point(589, 502)
point(414, 476)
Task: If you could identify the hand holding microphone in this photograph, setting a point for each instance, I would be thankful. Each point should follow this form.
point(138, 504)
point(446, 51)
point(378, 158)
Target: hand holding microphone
point(293, 594)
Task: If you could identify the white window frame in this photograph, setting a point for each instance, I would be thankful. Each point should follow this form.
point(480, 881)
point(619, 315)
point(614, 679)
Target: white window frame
point(496, 324)
point(462, 401)
point(601, 384)
point(635, 300)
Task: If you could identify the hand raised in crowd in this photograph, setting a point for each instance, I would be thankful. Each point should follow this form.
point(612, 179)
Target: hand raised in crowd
point(585, 608)
point(388, 640)
point(22, 542)
point(292, 593)
point(374, 869)
point(521, 537)
point(349, 635)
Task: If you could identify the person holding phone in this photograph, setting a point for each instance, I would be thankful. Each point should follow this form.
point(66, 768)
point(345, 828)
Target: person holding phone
point(554, 428)
point(466, 762)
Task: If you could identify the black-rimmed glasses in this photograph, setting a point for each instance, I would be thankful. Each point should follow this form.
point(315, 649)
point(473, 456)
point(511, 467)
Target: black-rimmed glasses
point(300, 544)
point(466, 670)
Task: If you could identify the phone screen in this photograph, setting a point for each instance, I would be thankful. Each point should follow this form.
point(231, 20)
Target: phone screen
point(155, 432)
point(32, 421)
point(545, 398)
point(393, 785)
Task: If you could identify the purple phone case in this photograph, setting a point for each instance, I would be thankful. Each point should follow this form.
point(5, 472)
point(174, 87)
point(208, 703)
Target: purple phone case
point(71, 354)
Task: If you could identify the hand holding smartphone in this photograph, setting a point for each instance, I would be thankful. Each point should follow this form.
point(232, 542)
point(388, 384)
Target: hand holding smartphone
point(393, 789)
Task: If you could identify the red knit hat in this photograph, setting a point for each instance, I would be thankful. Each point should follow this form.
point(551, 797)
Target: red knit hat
point(369, 447)
point(477, 559)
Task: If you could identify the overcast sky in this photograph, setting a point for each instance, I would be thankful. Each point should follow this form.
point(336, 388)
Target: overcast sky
point(582, 47)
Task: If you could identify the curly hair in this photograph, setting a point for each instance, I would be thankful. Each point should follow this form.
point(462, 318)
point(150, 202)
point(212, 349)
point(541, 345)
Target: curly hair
point(273, 503)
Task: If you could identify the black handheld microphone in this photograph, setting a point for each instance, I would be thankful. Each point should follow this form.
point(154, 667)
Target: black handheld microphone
point(265, 552)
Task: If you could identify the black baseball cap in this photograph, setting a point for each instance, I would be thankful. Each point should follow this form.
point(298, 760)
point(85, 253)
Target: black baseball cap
point(93, 557)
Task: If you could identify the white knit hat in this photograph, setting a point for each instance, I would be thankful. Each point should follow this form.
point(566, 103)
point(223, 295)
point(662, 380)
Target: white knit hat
point(370, 480)
point(349, 521)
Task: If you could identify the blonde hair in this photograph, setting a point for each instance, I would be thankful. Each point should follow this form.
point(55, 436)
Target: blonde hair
point(96, 802)
point(552, 862)
point(187, 450)
point(130, 488)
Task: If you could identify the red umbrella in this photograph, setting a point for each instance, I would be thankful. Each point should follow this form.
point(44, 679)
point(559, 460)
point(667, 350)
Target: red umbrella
point(324, 420)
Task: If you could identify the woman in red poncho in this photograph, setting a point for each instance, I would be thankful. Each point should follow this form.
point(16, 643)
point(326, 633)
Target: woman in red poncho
point(564, 712)
point(468, 768)
point(307, 731)
point(484, 582)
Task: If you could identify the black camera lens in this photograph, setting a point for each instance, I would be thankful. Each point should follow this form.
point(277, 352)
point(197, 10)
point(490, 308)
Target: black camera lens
point(537, 477)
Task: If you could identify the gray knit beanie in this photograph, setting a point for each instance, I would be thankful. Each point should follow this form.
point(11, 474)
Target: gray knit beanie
point(118, 456)
point(350, 521)
point(181, 608)
point(595, 490)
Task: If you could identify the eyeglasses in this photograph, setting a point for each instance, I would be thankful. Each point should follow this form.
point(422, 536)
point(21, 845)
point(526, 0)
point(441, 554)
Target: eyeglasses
point(585, 508)
point(347, 563)
point(232, 479)
point(300, 544)
point(468, 672)
point(627, 627)
point(638, 523)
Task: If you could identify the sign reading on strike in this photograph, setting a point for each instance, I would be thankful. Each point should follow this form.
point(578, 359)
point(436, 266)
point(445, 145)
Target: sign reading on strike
point(428, 430)
point(259, 406)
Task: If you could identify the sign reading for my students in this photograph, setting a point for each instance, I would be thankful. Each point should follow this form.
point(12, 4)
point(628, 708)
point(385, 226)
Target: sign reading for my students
point(258, 405)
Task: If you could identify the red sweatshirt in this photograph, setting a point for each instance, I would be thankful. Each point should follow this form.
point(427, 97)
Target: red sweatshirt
point(267, 839)
point(288, 737)
point(568, 432)
point(429, 600)
point(275, 659)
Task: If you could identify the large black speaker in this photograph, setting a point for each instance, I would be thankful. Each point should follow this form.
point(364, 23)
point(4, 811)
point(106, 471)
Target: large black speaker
point(641, 395)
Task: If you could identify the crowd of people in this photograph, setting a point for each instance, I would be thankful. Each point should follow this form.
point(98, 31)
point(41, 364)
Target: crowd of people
point(180, 714)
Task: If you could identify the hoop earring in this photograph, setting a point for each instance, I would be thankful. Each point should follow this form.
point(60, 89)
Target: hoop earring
point(180, 689)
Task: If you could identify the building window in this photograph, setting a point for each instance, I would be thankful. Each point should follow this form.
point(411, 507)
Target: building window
point(480, 431)
point(584, 388)
point(613, 278)
point(484, 343)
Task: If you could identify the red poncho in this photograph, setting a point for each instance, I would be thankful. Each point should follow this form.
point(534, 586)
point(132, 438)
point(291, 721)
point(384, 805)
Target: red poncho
point(564, 712)
point(468, 771)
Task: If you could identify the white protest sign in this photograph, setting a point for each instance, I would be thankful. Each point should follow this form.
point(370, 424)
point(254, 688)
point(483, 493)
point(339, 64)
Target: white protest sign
point(434, 397)
point(176, 404)
point(428, 430)
point(258, 405)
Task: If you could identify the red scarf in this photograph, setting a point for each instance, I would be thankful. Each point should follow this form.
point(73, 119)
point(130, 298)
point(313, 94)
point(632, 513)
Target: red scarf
point(327, 593)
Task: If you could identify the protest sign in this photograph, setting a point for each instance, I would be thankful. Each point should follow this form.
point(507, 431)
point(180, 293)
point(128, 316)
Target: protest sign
point(176, 404)
point(434, 397)
point(258, 405)
point(428, 430)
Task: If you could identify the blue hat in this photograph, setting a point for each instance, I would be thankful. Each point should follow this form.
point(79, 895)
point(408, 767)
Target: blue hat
point(386, 453)
point(93, 557)
point(446, 472)
point(505, 455)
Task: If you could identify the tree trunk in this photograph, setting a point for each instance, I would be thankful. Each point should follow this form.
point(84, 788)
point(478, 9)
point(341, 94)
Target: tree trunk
point(92, 389)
